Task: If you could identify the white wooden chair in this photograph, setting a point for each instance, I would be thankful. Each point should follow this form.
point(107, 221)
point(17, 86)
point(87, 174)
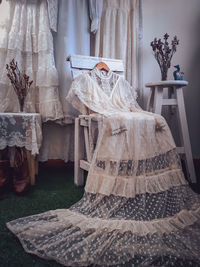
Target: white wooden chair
point(83, 154)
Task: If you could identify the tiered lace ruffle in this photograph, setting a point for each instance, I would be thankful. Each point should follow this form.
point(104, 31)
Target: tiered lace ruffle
point(93, 231)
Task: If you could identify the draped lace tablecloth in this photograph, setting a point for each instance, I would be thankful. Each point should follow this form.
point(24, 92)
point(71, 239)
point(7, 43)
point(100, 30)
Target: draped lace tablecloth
point(22, 130)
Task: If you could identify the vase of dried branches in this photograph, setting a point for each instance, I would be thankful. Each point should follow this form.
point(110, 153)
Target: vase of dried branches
point(163, 53)
point(21, 103)
point(20, 82)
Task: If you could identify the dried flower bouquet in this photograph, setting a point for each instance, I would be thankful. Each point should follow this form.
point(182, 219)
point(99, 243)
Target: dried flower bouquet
point(20, 82)
point(163, 53)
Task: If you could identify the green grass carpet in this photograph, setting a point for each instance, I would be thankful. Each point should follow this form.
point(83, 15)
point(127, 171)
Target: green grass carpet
point(54, 189)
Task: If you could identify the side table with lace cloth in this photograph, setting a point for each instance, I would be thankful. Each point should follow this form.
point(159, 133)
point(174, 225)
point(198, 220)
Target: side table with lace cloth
point(22, 130)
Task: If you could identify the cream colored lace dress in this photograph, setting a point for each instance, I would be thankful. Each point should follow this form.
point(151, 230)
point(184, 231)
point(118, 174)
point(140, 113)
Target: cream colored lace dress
point(25, 36)
point(137, 209)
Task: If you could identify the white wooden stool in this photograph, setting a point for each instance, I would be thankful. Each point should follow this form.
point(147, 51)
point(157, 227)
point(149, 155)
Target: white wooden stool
point(175, 98)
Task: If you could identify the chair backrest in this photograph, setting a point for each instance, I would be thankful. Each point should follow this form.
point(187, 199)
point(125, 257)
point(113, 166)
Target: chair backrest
point(80, 64)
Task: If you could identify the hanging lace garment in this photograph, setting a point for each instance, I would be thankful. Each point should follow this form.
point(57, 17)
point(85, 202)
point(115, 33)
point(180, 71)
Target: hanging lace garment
point(25, 36)
point(119, 33)
point(137, 209)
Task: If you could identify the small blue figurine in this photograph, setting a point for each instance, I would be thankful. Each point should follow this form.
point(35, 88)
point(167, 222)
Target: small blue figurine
point(178, 75)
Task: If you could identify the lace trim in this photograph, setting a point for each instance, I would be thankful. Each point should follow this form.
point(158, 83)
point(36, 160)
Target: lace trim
point(125, 186)
point(22, 131)
point(141, 228)
point(33, 147)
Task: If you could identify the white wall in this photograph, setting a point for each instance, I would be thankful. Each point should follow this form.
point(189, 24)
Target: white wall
point(181, 18)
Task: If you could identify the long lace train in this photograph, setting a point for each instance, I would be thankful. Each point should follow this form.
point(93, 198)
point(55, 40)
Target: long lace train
point(118, 231)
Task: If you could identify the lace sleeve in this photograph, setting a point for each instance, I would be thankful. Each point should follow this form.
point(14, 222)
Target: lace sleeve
point(129, 97)
point(73, 98)
point(95, 11)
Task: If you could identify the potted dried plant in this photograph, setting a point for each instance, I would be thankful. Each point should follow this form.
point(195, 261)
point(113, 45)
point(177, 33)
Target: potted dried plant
point(20, 82)
point(163, 53)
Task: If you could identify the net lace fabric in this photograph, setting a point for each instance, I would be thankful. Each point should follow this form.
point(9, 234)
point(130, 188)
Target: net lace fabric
point(137, 209)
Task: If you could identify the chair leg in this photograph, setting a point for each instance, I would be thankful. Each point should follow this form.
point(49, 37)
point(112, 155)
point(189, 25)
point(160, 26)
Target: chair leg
point(78, 155)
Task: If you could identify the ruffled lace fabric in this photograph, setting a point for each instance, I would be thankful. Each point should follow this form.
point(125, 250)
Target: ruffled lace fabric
point(25, 36)
point(21, 130)
point(137, 209)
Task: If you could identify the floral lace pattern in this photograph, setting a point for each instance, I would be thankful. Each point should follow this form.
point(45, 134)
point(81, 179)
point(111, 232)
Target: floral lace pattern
point(22, 130)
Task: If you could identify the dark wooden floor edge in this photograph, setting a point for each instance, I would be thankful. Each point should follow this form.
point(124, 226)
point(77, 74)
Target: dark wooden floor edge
point(57, 163)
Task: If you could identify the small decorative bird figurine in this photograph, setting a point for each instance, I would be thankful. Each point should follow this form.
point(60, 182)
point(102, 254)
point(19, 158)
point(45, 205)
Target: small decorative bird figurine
point(178, 75)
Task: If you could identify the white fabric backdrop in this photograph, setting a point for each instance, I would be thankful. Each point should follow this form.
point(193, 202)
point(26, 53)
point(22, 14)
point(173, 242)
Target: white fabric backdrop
point(73, 37)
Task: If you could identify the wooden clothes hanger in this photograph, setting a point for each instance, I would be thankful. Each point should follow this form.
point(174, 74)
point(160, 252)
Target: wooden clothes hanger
point(102, 66)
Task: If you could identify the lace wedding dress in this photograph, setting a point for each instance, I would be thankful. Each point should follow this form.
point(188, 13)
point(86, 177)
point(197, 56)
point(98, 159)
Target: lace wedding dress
point(137, 209)
point(25, 36)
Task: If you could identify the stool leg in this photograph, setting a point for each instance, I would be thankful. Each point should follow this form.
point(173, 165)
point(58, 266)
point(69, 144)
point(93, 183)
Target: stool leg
point(78, 155)
point(185, 135)
point(158, 100)
point(149, 100)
